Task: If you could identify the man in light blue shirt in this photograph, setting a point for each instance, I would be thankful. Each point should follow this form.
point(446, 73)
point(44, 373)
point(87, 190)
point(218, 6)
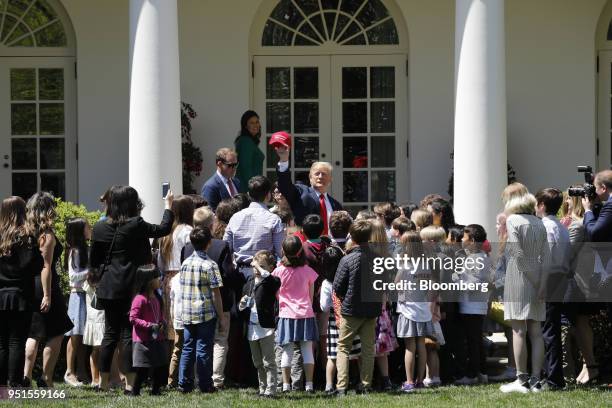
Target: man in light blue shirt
point(255, 228)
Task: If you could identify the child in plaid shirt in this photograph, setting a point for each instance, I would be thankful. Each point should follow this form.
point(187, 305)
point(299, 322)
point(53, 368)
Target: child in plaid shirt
point(200, 304)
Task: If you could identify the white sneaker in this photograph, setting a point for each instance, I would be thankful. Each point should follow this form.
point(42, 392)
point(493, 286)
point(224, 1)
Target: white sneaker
point(467, 381)
point(72, 381)
point(432, 382)
point(508, 374)
point(483, 378)
point(515, 386)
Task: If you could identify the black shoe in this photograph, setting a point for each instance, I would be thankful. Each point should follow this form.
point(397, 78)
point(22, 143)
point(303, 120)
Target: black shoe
point(210, 390)
point(310, 391)
point(184, 390)
point(340, 393)
point(330, 391)
point(40, 383)
point(386, 384)
point(155, 392)
point(26, 382)
point(131, 393)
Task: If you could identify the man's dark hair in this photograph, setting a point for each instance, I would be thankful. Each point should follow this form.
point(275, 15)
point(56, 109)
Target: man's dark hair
point(552, 199)
point(407, 209)
point(388, 211)
point(259, 187)
point(312, 225)
point(200, 238)
point(476, 233)
point(241, 201)
point(361, 231)
point(339, 224)
point(456, 233)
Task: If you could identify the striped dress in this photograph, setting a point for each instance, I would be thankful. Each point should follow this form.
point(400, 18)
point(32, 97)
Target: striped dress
point(333, 332)
point(527, 254)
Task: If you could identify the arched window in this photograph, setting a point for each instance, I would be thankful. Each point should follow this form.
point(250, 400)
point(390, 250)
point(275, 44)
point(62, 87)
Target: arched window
point(30, 23)
point(315, 22)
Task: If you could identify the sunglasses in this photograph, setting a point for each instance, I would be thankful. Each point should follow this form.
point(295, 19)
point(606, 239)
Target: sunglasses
point(230, 165)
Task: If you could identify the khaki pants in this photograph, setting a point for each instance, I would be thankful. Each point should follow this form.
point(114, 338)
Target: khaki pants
point(264, 360)
point(220, 351)
point(175, 358)
point(366, 329)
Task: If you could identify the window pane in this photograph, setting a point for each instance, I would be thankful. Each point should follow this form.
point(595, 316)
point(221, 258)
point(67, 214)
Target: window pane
point(23, 84)
point(382, 82)
point(51, 36)
point(51, 118)
point(18, 7)
point(373, 11)
point(354, 82)
point(354, 117)
point(52, 154)
point(330, 20)
point(306, 83)
point(38, 16)
point(359, 40)
point(355, 152)
point(383, 151)
point(307, 30)
point(340, 24)
point(353, 210)
point(306, 117)
point(19, 32)
point(306, 151)
point(318, 24)
point(55, 183)
point(275, 35)
point(329, 4)
point(383, 117)
point(9, 22)
point(23, 118)
point(351, 31)
point(278, 82)
point(308, 6)
point(299, 40)
point(278, 116)
point(383, 186)
point(302, 177)
point(350, 6)
point(23, 152)
point(287, 14)
point(355, 187)
point(51, 84)
point(25, 184)
point(382, 34)
point(24, 42)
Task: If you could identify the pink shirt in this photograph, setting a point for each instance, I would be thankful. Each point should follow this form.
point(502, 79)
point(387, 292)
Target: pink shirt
point(144, 313)
point(294, 300)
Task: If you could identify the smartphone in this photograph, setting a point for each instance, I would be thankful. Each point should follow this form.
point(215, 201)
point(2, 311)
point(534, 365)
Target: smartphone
point(165, 189)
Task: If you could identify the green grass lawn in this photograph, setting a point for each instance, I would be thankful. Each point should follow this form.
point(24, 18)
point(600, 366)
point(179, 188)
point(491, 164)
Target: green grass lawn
point(478, 396)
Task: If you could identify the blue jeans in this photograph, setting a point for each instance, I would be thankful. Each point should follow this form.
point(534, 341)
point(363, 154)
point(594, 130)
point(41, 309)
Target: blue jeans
point(198, 346)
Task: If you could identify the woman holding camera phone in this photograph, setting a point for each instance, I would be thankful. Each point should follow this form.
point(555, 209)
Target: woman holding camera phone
point(123, 237)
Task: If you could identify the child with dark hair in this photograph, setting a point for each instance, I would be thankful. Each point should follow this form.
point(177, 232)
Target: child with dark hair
point(473, 308)
point(78, 232)
point(339, 225)
point(259, 298)
point(297, 319)
point(148, 333)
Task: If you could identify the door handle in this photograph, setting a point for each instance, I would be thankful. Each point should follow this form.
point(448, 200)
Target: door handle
point(6, 166)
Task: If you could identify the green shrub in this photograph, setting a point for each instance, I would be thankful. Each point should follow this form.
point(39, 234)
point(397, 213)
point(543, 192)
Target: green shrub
point(65, 211)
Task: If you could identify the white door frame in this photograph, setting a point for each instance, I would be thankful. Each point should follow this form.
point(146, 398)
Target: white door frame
point(70, 130)
point(402, 188)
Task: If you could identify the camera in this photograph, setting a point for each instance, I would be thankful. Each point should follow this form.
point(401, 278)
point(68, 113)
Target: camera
point(588, 189)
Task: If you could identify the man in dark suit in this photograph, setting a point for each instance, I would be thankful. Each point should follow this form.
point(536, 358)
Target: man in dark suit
point(598, 228)
point(223, 184)
point(305, 200)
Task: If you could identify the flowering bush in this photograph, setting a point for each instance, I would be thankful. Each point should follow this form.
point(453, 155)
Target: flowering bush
point(192, 155)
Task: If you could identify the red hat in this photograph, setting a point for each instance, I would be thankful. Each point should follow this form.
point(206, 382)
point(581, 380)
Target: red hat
point(280, 139)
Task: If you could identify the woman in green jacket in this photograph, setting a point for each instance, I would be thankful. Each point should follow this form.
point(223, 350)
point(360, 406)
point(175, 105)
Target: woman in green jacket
point(250, 157)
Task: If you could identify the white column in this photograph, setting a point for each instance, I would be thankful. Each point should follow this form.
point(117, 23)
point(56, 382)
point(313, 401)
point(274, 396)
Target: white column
point(480, 153)
point(155, 122)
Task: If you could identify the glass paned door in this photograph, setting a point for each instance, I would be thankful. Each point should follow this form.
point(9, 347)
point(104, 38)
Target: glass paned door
point(293, 94)
point(37, 127)
point(369, 124)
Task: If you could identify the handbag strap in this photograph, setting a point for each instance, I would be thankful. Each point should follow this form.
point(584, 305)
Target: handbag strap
point(107, 261)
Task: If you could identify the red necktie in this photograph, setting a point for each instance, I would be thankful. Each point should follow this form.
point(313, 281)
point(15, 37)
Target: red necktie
point(323, 213)
point(232, 189)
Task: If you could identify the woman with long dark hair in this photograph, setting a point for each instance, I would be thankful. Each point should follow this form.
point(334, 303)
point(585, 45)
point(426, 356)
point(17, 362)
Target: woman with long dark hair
point(51, 320)
point(78, 233)
point(124, 238)
point(20, 261)
point(250, 157)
